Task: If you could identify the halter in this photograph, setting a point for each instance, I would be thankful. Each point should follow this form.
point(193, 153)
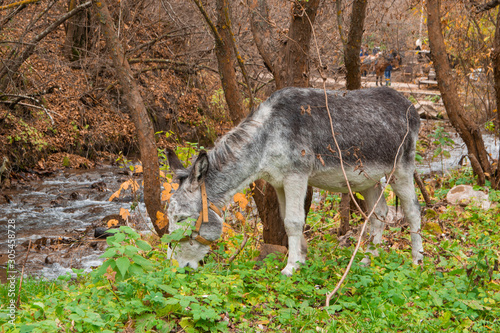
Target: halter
point(203, 217)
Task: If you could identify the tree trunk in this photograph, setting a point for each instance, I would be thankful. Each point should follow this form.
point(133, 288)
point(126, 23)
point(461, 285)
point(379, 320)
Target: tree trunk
point(140, 117)
point(77, 33)
point(495, 59)
point(289, 64)
point(226, 58)
point(295, 68)
point(353, 82)
point(466, 128)
point(353, 46)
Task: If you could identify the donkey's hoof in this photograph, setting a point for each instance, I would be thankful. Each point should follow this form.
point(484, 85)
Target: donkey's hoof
point(289, 269)
point(418, 257)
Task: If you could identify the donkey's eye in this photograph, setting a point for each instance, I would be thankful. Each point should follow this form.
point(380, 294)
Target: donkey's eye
point(181, 219)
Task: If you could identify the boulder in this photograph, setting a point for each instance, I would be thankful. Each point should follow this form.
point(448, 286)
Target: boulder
point(465, 194)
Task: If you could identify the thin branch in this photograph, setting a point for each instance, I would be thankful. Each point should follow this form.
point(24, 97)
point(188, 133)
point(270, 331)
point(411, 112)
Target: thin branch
point(245, 239)
point(241, 63)
point(39, 16)
point(19, 3)
point(194, 67)
point(485, 6)
point(22, 274)
point(28, 51)
point(367, 217)
point(155, 40)
point(36, 107)
point(9, 16)
point(215, 32)
point(421, 185)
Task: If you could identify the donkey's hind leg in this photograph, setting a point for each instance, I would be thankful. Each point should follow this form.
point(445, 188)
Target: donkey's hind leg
point(405, 190)
point(377, 220)
point(295, 187)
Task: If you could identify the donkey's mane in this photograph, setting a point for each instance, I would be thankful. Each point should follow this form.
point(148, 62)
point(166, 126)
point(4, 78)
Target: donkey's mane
point(229, 147)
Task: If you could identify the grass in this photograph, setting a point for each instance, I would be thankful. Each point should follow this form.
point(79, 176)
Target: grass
point(456, 290)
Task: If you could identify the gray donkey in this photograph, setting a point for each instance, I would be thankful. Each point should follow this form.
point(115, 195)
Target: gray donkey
point(288, 142)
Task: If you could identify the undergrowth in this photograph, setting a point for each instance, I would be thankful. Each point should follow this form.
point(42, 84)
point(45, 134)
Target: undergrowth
point(140, 288)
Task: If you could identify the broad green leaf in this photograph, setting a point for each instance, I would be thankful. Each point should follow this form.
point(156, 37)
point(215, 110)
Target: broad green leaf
point(143, 245)
point(123, 263)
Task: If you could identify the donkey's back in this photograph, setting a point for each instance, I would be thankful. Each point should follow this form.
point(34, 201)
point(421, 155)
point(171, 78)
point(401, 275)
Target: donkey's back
point(374, 128)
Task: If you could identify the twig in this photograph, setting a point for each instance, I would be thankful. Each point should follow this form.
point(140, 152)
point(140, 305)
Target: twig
point(245, 239)
point(22, 273)
point(36, 107)
point(422, 188)
point(367, 217)
point(344, 276)
point(9, 16)
point(19, 3)
point(485, 6)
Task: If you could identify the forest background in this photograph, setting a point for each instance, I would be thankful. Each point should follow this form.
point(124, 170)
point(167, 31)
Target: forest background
point(62, 105)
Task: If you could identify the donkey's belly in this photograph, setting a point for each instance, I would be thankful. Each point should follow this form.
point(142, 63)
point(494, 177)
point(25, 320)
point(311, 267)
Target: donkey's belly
point(334, 180)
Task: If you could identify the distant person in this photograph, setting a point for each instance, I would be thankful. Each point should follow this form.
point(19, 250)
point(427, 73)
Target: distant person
point(387, 75)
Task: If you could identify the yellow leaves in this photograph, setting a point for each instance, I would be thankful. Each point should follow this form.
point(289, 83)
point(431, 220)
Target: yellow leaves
point(161, 220)
point(241, 199)
point(227, 230)
point(360, 196)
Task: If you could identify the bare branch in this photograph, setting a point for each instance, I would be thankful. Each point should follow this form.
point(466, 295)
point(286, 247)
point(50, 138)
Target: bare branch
point(215, 32)
point(485, 6)
point(28, 51)
point(19, 3)
point(9, 16)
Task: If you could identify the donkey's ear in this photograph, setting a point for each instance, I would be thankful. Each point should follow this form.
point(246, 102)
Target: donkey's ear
point(200, 168)
point(174, 162)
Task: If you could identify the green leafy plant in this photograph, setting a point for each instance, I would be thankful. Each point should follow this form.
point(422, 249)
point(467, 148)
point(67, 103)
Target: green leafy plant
point(123, 254)
point(442, 140)
point(139, 286)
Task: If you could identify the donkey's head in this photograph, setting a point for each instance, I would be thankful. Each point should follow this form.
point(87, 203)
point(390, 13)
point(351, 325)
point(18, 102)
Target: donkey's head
point(189, 203)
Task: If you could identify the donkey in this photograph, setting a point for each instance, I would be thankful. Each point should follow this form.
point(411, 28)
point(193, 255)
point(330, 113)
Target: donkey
point(288, 142)
point(382, 64)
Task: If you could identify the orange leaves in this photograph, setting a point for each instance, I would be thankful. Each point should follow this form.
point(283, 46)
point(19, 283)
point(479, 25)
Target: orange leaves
point(124, 213)
point(138, 169)
point(240, 217)
point(132, 184)
point(112, 223)
point(110, 274)
point(161, 220)
point(241, 200)
point(167, 192)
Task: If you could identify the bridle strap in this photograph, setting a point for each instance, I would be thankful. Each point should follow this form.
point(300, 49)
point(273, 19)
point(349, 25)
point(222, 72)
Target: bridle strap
point(204, 202)
point(203, 217)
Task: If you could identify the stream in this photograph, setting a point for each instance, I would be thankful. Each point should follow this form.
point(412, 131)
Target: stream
point(59, 213)
point(57, 210)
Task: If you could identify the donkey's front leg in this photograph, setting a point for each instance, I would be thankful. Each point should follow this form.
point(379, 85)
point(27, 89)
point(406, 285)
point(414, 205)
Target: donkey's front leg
point(295, 187)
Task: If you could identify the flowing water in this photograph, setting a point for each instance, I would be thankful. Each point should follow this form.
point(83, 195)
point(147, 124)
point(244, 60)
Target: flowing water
point(56, 211)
